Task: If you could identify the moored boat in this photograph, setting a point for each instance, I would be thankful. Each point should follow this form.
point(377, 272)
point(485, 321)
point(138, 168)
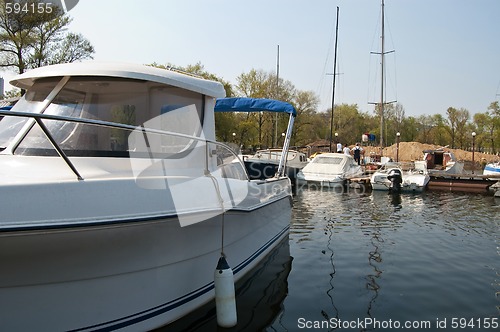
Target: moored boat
point(264, 163)
point(117, 201)
point(393, 176)
point(442, 161)
point(492, 169)
point(329, 170)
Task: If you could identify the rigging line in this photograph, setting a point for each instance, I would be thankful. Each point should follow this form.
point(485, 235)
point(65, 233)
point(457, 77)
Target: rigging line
point(395, 77)
point(375, 39)
point(387, 24)
point(375, 36)
point(371, 88)
point(496, 92)
point(328, 53)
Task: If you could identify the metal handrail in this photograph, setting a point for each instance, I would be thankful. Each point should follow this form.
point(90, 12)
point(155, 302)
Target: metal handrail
point(38, 117)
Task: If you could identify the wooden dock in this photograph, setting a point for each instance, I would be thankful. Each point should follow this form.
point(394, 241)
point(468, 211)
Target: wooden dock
point(359, 182)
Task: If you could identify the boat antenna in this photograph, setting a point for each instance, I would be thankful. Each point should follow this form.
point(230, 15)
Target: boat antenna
point(334, 77)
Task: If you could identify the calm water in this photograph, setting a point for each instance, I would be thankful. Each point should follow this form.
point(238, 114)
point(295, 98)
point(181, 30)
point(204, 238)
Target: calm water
point(369, 262)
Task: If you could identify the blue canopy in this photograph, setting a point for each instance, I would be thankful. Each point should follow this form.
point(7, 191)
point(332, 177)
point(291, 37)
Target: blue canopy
point(253, 105)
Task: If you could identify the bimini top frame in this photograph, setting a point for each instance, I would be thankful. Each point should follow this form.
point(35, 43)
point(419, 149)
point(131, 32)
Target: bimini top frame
point(262, 105)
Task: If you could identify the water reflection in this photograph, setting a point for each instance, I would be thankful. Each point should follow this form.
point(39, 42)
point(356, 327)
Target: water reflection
point(374, 260)
point(259, 297)
point(374, 255)
point(396, 200)
point(331, 255)
point(412, 259)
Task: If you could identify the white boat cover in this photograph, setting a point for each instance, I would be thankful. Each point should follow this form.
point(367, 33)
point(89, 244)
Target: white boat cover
point(331, 164)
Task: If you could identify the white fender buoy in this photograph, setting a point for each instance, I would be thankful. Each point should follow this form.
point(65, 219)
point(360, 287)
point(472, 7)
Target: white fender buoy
point(225, 300)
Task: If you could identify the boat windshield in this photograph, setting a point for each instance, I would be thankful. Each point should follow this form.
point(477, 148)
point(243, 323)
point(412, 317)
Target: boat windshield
point(32, 103)
point(328, 160)
point(117, 100)
point(276, 155)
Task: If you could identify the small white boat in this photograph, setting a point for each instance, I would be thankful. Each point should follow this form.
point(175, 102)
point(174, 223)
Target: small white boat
point(393, 176)
point(492, 169)
point(329, 170)
point(264, 163)
point(442, 161)
point(117, 202)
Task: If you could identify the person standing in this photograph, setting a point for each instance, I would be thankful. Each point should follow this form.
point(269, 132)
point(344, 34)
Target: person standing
point(339, 147)
point(347, 151)
point(357, 153)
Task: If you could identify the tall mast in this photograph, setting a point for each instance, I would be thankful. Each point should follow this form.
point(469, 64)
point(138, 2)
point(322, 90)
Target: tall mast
point(334, 77)
point(382, 103)
point(382, 82)
point(275, 144)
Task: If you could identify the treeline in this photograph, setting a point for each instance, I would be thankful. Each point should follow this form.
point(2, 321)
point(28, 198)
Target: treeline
point(30, 40)
point(252, 131)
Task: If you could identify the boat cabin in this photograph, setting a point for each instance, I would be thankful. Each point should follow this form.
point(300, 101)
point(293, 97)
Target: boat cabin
point(438, 159)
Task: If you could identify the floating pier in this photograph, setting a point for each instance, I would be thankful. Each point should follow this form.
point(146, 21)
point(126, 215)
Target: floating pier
point(473, 183)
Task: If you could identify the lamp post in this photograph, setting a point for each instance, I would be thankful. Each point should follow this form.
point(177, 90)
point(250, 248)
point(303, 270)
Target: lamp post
point(336, 141)
point(473, 143)
point(398, 134)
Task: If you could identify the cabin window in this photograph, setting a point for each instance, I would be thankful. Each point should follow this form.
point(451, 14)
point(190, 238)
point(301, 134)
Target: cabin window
point(123, 101)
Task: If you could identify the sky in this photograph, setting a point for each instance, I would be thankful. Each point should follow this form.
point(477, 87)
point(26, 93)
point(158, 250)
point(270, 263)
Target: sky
point(446, 52)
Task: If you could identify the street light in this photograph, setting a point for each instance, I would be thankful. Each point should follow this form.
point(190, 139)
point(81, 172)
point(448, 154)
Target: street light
point(473, 143)
point(398, 134)
point(336, 142)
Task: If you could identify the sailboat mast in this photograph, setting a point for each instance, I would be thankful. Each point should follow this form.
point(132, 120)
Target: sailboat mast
point(275, 143)
point(382, 83)
point(382, 102)
point(334, 77)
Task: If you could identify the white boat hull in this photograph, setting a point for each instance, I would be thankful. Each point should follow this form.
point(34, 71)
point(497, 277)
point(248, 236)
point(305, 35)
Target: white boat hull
point(137, 275)
point(320, 182)
point(412, 181)
point(329, 170)
point(408, 185)
point(117, 202)
point(492, 169)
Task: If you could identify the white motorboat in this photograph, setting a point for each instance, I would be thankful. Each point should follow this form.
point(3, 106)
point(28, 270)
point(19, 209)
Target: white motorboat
point(329, 170)
point(393, 176)
point(264, 163)
point(443, 162)
point(117, 202)
point(267, 163)
point(492, 169)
